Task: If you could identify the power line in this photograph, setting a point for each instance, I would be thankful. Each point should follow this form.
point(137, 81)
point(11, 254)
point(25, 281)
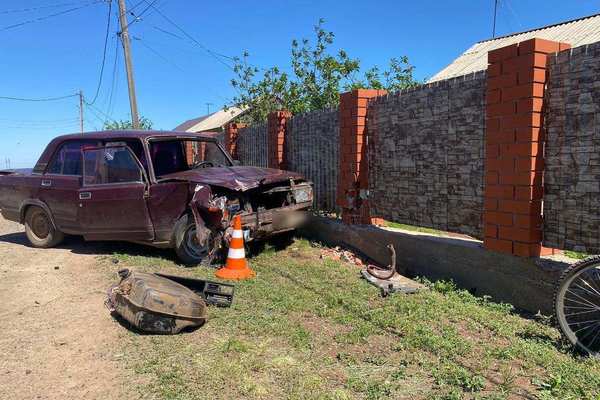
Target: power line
point(156, 53)
point(495, 14)
point(39, 19)
point(171, 63)
point(138, 17)
point(19, 10)
point(103, 52)
point(214, 54)
point(114, 78)
point(38, 99)
point(99, 111)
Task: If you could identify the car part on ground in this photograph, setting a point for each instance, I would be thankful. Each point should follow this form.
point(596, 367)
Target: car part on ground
point(577, 305)
point(214, 293)
point(155, 304)
point(388, 279)
point(384, 273)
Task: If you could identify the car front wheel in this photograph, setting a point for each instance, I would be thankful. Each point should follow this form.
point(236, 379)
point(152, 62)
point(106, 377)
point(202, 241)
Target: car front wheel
point(40, 230)
point(189, 249)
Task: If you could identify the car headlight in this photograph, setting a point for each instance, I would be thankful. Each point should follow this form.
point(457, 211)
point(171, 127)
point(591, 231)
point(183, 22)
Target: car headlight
point(303, 194)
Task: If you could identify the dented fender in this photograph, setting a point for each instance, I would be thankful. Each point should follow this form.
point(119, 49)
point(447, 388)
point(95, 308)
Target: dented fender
point(203, 203)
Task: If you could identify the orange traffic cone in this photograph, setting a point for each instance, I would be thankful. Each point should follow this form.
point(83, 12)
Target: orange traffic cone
point(236, 266)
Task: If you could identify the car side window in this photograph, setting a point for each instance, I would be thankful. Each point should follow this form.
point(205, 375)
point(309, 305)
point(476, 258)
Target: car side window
point(67, 160)
point(110, 165)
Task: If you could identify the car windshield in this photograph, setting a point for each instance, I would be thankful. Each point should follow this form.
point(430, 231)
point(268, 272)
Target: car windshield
point(177, 155)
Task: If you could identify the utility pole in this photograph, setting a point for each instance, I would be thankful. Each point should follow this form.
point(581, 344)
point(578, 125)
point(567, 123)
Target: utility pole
point(81, 111)
point(135, 121)
point(208, 107)
point(495, 12)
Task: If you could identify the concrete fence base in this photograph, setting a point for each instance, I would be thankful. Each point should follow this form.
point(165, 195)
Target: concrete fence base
point(526, 283)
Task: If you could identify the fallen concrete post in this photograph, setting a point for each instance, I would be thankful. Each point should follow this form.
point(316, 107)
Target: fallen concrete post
point(527, 283)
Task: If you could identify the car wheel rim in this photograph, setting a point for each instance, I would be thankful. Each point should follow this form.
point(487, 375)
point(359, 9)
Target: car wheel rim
point(192, 245)
point(579, 310)
point(40, 225)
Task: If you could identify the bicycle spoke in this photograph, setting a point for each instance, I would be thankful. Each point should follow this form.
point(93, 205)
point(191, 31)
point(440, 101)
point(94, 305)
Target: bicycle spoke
point(584, 299)
point(594, 338)
point(594, 293)
point(587, 306)
point(580, 312)
point(585, 327)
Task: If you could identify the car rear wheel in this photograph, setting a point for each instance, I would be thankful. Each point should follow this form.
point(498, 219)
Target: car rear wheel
point(189, 249)
point(40, 230)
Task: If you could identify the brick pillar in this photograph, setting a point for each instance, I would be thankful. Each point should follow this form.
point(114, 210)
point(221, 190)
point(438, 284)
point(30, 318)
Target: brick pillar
point(231, 137)
point(514, 158)
point(276, 129)
point(353, 178)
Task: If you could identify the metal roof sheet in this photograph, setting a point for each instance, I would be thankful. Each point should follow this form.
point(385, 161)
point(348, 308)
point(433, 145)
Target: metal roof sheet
point(577, 32)
point(211, 121)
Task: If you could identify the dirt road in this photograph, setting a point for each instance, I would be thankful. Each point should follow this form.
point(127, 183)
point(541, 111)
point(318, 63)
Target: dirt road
point(58, 340)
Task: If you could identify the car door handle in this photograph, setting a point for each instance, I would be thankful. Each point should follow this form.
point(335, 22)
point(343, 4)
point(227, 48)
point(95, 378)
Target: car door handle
point(46, 182)
point(85, 195)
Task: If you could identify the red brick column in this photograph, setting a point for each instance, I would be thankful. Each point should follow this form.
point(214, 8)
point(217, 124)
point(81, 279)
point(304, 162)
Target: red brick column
point(231, 136)
point(514, 156)
point(353, 178)
point(276, 129)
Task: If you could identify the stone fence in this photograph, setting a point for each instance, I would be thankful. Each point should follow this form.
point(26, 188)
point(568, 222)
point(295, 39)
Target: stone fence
point(480, 155)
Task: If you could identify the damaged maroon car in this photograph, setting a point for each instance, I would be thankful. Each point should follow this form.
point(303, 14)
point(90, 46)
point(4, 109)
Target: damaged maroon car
point(166, 189)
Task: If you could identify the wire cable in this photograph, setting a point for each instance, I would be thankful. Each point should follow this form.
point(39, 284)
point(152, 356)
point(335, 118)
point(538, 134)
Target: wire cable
point(39, 99)
point(19, 10)
point(39, 19)
point(104, 52)
point(214, 54)
point(156, 53)
point(137, 18)
point(113, 79)
point(98, 110)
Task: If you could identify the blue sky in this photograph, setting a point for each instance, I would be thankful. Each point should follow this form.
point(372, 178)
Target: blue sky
point(176, 78)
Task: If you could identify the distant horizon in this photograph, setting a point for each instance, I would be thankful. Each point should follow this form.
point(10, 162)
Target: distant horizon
point(176, 77)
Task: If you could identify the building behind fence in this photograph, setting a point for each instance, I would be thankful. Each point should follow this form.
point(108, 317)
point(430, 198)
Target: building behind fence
point(510, 154)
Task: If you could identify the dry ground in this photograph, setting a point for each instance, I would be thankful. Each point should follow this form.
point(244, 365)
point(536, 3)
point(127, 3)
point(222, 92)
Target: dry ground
point(58, 340)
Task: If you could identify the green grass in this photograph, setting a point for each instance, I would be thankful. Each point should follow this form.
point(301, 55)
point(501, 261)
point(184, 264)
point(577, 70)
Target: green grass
point(413, 228)
point(309, 328)
point(576, 254)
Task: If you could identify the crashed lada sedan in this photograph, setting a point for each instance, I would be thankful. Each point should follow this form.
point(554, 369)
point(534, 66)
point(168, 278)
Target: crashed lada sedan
point(167, 189)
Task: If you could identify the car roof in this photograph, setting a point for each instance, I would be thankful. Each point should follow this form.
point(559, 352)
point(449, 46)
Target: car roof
point(135, 134)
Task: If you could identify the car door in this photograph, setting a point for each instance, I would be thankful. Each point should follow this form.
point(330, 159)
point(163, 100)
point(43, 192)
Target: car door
point(61, 181)
point(112, 200)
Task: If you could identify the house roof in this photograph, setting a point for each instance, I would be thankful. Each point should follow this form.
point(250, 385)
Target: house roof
point(577, 32)
point(210, 121)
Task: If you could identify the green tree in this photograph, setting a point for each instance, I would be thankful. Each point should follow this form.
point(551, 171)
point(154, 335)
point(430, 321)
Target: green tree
point(121, 125)
point(317, 76)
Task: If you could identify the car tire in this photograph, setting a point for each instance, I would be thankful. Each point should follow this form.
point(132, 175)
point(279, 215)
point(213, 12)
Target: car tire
point(186, 246)
point(40, 230)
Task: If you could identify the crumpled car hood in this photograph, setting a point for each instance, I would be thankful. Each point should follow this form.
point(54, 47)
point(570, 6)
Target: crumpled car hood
point(235, 178)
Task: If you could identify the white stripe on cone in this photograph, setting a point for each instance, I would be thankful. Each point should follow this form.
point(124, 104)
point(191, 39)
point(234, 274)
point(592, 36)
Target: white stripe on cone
point(237, 234)
point(236, 253)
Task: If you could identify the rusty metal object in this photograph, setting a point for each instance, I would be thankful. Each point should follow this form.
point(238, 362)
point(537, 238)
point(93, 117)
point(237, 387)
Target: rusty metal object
point(214, 293)
point(155, 304)
point(389, 280)
point(387, 273)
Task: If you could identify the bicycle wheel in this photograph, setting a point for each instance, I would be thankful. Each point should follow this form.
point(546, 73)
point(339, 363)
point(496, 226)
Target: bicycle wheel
point(577, 305)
